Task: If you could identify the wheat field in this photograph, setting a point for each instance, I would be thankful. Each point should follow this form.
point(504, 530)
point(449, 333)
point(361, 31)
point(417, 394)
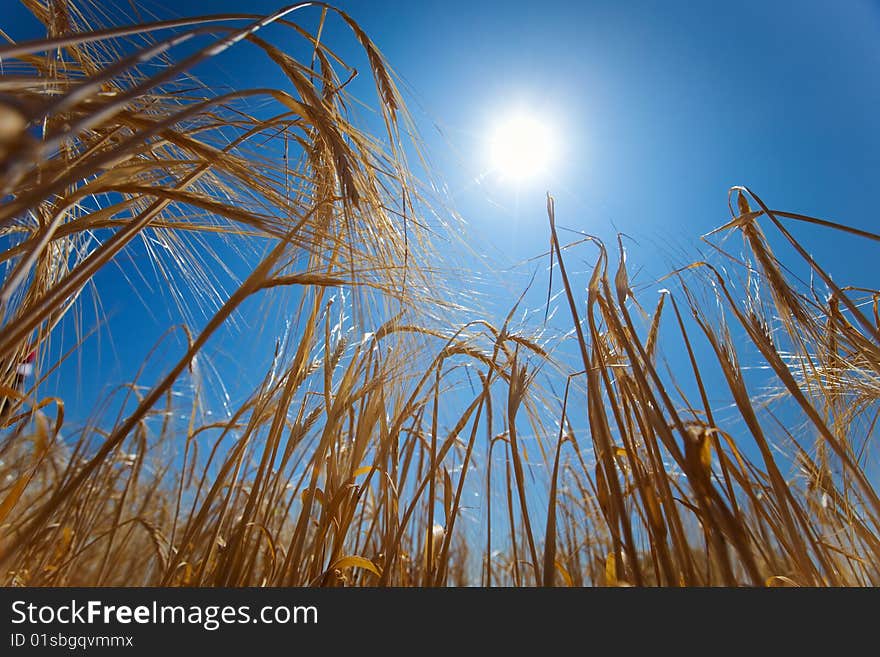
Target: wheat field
point(395, 437)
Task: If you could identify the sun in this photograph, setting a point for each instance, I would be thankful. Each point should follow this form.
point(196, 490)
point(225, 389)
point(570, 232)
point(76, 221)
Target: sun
point(521, 147)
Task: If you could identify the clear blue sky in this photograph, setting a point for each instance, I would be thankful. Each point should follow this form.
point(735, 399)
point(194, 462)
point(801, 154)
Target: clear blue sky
point(663, 106)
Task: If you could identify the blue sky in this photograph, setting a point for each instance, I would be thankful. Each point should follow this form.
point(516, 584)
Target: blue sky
point(661, 107)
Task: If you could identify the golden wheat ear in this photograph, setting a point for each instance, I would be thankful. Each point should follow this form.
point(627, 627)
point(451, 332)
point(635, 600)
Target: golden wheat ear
point(106, 138)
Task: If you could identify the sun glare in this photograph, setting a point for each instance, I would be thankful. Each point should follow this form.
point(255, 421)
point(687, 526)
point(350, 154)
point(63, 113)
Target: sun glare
point(521, 147)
